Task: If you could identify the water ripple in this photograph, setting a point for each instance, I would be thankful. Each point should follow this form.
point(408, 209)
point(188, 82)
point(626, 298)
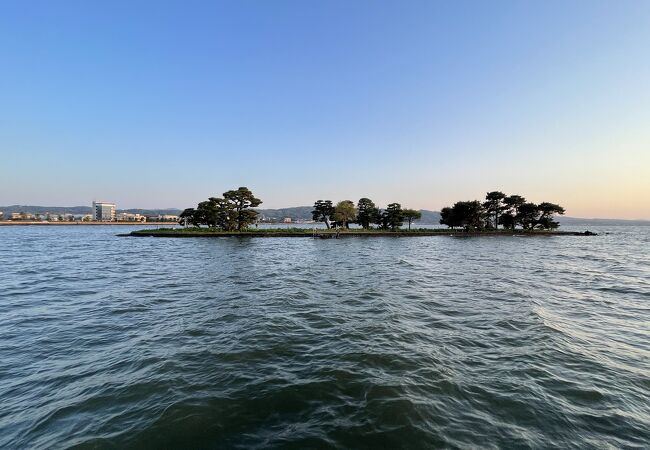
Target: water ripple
point(385, 343)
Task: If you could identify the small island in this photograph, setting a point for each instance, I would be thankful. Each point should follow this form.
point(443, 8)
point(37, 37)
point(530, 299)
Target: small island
point(233, 215)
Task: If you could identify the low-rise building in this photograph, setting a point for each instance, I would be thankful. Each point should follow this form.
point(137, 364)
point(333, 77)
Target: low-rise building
point(165, 218)
point(128, 217)
point(22, 216)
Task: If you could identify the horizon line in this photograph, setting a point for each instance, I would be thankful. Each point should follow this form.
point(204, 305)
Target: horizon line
point(308, 206)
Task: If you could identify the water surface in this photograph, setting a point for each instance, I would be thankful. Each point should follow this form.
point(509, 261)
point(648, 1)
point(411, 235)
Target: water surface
point(109, 342)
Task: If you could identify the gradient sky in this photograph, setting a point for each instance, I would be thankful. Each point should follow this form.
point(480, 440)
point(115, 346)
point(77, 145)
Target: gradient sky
point(162, 104)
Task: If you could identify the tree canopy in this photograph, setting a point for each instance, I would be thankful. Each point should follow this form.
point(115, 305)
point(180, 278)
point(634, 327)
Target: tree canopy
point(493, 205)
point(230, 212)
point(323, 211)
point(410, 215)
point(241, 200)
point(392, 217)
point(500, 209)
point(511, 205)
point(344, 213)
point(188, 216)
point(368, 213)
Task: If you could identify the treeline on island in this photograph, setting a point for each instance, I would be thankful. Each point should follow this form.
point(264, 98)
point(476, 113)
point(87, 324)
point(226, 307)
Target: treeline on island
point(498, 208)
point(234, 212)
point(509, 211)
point(365, 214)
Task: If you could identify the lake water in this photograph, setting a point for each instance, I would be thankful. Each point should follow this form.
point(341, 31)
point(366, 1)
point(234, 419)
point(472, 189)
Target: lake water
point(113, 342)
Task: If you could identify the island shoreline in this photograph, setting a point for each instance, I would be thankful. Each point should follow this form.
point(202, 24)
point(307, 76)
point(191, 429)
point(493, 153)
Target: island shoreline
point(9, 223)
point(330, 234)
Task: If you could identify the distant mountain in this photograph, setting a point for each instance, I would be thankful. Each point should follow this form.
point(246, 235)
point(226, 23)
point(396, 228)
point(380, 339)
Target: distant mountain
point(153, 212)
point(429, 217)
point(295, 213)
point(81, 210)
point(76, 210)
point(581, 222)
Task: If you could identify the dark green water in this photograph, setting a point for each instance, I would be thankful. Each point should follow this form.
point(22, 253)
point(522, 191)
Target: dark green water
point(497, 342)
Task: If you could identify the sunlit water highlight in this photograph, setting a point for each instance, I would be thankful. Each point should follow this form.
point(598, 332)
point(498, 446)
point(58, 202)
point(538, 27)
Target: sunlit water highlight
point(109, 342)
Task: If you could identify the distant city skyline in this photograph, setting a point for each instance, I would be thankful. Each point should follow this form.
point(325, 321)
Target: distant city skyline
point(161, 105)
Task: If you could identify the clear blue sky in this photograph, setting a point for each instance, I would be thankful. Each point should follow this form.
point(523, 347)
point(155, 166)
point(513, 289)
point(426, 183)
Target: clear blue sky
point(162, 104)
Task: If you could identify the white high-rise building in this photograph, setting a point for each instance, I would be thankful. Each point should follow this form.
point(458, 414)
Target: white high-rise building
point(103, 211)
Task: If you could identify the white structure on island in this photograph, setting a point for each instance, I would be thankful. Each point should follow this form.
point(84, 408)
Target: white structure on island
point(103, 211)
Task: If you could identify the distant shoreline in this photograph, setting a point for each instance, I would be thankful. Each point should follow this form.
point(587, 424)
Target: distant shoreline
point(62, 223)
